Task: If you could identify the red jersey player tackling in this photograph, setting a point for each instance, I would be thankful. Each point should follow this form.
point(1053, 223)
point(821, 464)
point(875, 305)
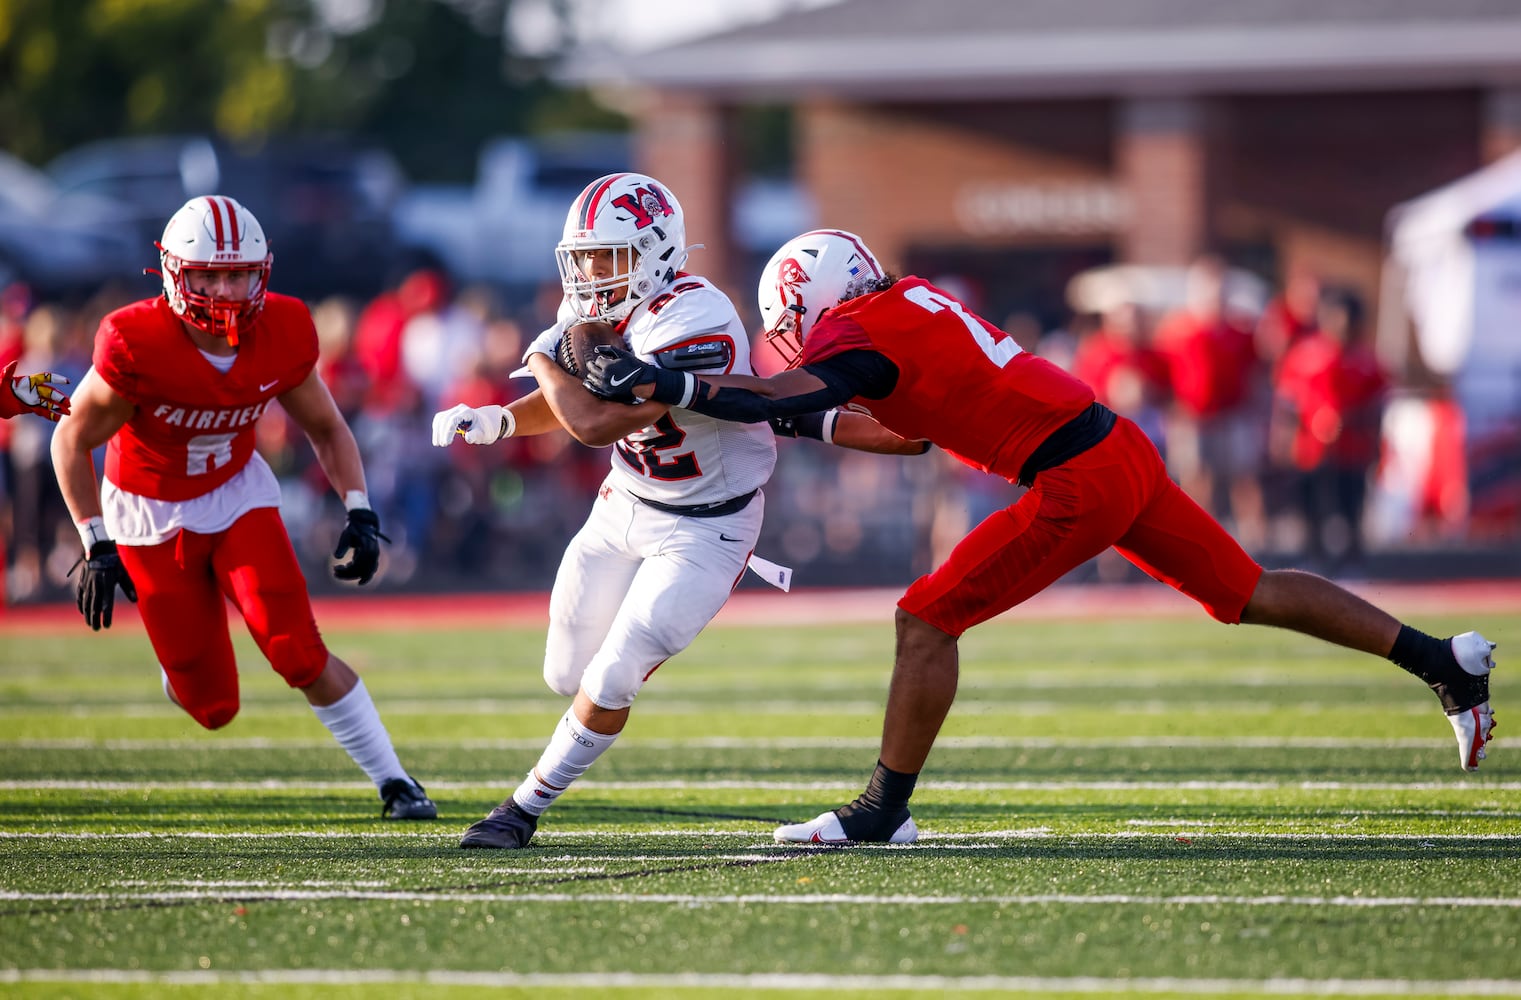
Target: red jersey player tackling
point(188, 512)
point(924, 366)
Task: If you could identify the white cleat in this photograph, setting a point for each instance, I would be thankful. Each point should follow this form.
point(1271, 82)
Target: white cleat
point(1473, 726)
point(826, 829)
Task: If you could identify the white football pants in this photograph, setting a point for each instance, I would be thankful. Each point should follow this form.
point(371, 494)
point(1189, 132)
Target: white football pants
point(635, 587)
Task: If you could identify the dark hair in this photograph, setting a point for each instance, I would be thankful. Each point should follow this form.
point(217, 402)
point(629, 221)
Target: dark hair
point(856, 289)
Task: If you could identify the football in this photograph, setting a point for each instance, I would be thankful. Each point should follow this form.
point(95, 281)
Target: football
point(580, 340)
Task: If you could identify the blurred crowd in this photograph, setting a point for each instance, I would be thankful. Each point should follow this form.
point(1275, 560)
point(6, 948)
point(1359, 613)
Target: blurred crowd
point(1270, 421)
point(1269, 418)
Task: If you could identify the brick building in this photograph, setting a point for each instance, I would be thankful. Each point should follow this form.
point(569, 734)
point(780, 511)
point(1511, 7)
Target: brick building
point(1017, 143)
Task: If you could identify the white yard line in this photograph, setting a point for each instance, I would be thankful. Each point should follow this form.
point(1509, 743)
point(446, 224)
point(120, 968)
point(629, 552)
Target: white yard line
point(158, 708)
point(926, 839)
point(215, 743)
point(777, 899)
point(718, 982)
point(284, 784)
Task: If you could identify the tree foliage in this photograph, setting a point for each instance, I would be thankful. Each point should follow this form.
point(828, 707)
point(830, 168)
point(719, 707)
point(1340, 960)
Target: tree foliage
point(428, 79)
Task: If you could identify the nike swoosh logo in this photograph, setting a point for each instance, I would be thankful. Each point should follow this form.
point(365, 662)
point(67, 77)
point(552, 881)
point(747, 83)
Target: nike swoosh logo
point(725, 538)
point(269, 385)
point(616, 382)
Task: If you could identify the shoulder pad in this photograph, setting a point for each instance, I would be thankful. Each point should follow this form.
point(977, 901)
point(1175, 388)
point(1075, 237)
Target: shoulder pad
point(697, 355)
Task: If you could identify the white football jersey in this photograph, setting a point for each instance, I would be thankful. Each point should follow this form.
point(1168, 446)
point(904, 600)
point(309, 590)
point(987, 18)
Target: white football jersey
point(686, 458)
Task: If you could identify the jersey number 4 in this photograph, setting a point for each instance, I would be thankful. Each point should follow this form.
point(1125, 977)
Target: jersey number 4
point(1000, 352)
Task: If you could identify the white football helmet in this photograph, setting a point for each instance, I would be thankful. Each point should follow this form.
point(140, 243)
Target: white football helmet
point(215, 233)
point(641, 222)
point(808, 275)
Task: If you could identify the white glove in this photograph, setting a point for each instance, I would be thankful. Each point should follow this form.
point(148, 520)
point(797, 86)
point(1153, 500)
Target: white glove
point(476, 424)
point(546, 343)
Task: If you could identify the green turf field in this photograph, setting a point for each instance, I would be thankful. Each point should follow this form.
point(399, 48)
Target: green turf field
point(1154, 807)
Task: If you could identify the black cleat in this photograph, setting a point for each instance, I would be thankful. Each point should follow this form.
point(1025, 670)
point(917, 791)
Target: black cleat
point(507, 827)
point(404, 798)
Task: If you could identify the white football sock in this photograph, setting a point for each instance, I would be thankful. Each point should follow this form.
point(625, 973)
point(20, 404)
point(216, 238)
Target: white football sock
point(168, 688)
point(572, 749)
point(356, 726)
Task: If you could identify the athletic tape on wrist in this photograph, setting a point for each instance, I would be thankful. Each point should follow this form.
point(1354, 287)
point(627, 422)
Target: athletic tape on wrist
point(92, 530)
point(356, 500)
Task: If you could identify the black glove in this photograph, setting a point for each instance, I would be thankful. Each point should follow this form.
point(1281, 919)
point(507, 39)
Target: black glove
point(804, 425)
point(612, 373)
point(362, 534)
point(103, 573)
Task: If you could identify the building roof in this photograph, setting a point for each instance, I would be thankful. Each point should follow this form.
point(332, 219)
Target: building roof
point(907, 49)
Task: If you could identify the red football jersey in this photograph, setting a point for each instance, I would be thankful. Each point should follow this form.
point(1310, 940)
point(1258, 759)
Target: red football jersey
point(963, 383)
point(1211, 363)
point(194, 426)
point(1336, 393)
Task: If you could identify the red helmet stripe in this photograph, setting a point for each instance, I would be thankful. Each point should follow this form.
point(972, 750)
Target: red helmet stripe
point(860, 248)
point(592, 198)
point(232, 223)
point(216, 219)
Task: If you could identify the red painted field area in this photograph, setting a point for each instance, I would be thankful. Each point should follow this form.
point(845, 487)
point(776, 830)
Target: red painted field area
point(802, 607)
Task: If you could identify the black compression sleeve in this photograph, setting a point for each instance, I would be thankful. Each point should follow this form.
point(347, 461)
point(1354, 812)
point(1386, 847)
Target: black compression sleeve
point(868, 373)
point(744, 406)
point(845, 376)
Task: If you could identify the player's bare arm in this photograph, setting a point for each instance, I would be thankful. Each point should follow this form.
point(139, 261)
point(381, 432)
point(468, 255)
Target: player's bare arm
point(590, 420)
point(488, 424)
point(532, 414)
point(98, 413)
point(311, 406)
point(859, 432)
point(847, 429)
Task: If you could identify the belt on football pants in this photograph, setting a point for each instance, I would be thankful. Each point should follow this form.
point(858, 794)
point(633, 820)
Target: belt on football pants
point(718, 509)
point(777, 575)
point(1068, 441)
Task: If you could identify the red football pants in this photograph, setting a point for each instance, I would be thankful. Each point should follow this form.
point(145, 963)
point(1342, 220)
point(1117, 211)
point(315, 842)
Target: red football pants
point(181, 584)
point(1115, 493)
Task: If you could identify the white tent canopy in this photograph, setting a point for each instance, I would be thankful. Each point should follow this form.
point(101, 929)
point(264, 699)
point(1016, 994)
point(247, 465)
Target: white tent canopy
point(1435, 279)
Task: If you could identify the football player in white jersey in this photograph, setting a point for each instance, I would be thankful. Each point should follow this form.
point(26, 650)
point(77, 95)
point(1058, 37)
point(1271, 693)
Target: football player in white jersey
point(675, 522)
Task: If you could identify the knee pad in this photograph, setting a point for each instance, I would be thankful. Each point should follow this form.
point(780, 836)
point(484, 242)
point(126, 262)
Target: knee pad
point(561, 678)
point(614, 687)
point(215, 715)
point(565, 659)
point(210, 711)
point(300, 659)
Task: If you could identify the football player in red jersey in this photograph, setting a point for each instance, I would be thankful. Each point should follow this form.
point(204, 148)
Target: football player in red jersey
point(37, 394)
point(924, 366)
point(188, 514)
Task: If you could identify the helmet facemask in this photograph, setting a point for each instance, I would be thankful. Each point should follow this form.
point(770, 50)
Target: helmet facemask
point(218, 315)
point(784, 334)
point(608, 298)
point(215, 235)
point(641, 224)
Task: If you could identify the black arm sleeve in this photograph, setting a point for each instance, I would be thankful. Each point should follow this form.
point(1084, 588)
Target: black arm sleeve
point(845, 376)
